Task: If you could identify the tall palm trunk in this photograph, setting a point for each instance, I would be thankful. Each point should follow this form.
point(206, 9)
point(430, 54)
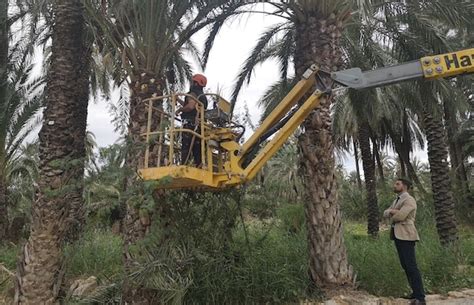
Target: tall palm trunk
point(77, 218)
point(4, 41)
point(440, 180)
point(406, 148)
point(4, 222)
point(356, 159)
point(144, 86)
point(370, 182)
point(455, 150)
point(318, 41)
point(378, 160)
point(62, 138)
point(409, 171)
point(403, 169)
point(403, 153)
point(135, 224)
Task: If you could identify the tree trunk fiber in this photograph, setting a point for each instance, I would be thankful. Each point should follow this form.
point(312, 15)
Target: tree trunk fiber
point(4, 222)
point(440, 180)
point(356, 159)
point(62, 139)
point(406, 147)
point(403, 169)
point(77, 212)
point(143, 86)
point(4, 43)
point(455, 151)
point(404, 156)
point(368, 164)
point(378, 160)
point(318, 41)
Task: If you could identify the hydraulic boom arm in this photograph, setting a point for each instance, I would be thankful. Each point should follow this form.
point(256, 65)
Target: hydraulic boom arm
point(227, 163)
point(430, 67)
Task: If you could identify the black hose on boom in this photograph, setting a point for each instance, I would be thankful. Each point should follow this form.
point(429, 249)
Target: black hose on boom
point(250, 155)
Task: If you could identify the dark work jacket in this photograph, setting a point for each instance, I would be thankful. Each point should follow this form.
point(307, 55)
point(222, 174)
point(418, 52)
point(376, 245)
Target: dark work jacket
point(191, 115)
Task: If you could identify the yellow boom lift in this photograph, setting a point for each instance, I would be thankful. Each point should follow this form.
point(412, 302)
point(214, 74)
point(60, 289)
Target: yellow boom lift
point(227, 162)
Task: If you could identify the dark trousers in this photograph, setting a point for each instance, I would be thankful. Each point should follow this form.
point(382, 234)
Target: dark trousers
point(406, 253)
point(190, 147)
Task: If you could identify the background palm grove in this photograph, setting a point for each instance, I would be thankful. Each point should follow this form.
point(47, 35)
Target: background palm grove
point(71, 211)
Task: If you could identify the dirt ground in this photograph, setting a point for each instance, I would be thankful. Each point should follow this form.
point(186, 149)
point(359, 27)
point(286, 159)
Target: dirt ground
point(462, 297)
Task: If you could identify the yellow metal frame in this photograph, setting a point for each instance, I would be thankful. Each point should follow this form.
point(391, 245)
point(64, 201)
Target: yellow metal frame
point(213, 170)
point(224, 169)
point(449, 64)
point(224, 156)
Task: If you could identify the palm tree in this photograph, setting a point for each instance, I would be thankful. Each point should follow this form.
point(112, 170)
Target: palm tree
point(456, 155)
point(400, 128)
point(356, 161)
point(357, 116)
point(358, 107)
point(104, 183)
point(37, 20)
point(311, 33)
point(20, 99)
point(282, 171)
point(4, 42)
point(438, 158)
point(429, 35)
point(21, 177)
point(404, 134)
point(18, 119)
point(145, 43)
point(40, 267)
point(454, 116)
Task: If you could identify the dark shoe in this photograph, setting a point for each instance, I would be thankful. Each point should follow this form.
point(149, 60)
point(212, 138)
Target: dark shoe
point(417, 302)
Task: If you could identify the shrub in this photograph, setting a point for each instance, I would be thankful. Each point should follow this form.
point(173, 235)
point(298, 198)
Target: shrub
point(98, 253)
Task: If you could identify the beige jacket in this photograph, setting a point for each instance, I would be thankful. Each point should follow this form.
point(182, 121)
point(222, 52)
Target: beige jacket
point(404, 219)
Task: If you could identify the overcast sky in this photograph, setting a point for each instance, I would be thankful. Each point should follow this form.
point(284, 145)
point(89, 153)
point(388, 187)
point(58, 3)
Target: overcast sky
point(230, 50)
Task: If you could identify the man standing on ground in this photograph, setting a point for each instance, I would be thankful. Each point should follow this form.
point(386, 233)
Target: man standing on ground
point(402, 214)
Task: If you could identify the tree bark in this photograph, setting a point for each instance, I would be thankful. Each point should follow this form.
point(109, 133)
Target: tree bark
point(404, 156)
point(403, 169)
point(144, 85)
point(378, 160)
point(356, 159)
point(455, 150)
point(77, 212)
point(440, 180)
point(4, 221)
point(318, 41)
point(4, 44)
point(368, 164)
point(62, 139)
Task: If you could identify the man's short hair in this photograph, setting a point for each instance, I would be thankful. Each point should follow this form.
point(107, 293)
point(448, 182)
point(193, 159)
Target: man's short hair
point(405, 182)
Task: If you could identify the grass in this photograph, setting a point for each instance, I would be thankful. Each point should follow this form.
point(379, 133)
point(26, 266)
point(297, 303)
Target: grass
point(379, 271)
point(98, 253)
point(8, 256)
point(271, 270)
point(272, 267)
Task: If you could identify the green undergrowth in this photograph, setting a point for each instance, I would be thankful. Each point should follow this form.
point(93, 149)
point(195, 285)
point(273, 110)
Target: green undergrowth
point(264, 264)
point(379, 272)
point(8, 257)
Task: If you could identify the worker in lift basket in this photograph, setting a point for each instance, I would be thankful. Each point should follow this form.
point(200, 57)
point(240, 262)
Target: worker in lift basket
point(191, 144)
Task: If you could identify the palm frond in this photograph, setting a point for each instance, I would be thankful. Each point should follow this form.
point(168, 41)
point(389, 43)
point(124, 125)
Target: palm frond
point(260, 53)
point(274, 94)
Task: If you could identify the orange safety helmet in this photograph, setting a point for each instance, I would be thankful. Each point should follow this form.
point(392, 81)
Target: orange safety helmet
point(200, 79)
